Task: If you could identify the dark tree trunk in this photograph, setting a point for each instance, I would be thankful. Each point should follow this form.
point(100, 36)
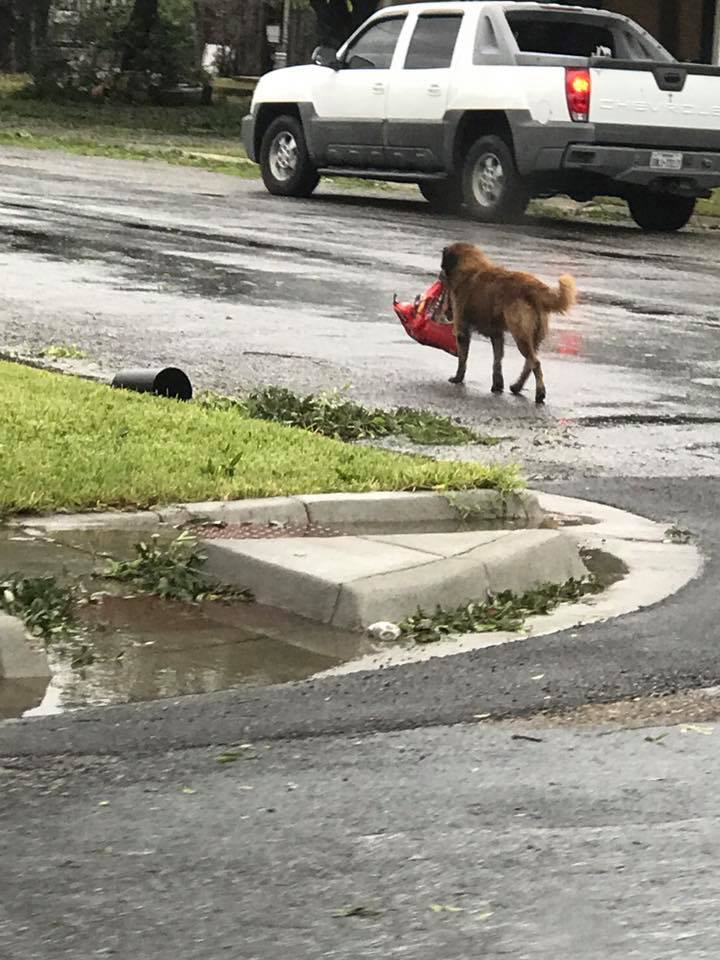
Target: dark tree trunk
point(252, 54)
point(302, 36)
point(7, 35)
point(336, 22)
point(137, 36)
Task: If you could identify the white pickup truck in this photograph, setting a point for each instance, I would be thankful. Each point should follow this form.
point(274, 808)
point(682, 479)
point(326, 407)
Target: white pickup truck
point(487, 104)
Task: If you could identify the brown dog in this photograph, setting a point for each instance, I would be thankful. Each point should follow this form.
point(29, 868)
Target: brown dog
point(491, 300)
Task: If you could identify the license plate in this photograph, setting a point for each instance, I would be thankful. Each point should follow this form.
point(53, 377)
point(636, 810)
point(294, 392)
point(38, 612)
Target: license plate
point(666, 161)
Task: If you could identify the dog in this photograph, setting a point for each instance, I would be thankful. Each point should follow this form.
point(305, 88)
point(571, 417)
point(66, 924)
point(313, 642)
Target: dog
point(489, 300)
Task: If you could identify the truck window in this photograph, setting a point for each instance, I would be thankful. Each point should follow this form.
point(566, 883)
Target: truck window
point(561, 37)
point(374, 49)
point(433, 42)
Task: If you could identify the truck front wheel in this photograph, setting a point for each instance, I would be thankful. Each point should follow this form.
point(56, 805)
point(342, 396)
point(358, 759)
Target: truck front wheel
point(445, 196)
point(285, 163)
point(493, 190)
point(661, 212)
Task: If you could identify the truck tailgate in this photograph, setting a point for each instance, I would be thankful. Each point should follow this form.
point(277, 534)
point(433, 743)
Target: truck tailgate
point(642, 94)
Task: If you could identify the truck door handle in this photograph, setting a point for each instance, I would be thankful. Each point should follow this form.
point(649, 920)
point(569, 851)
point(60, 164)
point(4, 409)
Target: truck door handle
point(434, 90)
point(378, 88)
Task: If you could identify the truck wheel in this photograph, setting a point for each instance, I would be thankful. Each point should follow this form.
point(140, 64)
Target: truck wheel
point(493, 190)
point(661, 212)
point(445, 196)
point(285, 163)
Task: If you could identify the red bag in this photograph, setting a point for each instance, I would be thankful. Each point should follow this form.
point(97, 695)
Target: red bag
point(419, 319)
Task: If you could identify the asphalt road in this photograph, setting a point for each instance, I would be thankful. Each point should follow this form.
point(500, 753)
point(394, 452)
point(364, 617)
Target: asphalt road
point(365, 793)
point(156, 265)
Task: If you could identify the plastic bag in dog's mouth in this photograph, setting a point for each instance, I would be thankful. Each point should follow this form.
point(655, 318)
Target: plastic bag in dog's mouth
point(425, 320)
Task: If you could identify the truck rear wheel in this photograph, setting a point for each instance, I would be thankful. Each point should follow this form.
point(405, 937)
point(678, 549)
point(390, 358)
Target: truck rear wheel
point(445, 196)
point(661, 212)
point(285, 163)
point(493, 190)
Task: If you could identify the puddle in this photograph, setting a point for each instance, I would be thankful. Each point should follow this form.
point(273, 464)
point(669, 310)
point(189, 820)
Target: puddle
point(607, 568)
point(146, 648)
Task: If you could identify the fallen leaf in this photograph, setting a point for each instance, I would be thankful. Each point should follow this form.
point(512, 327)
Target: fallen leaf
point(524, 736)
point(243, 752)
point(188, 790)
point(658, 739)
point(482, 716)
point(358, 910)
point(104, 803)
point(485, 916)
point(697, 728)
point(445, 908)
point(538, 676)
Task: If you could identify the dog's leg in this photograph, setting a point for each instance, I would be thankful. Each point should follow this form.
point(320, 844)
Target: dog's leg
point(527, 351)
point(463, 341)
point(540, 392)
point(532, 365)
point(498, 345)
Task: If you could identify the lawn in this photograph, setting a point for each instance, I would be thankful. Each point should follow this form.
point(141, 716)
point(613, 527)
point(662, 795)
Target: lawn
point(197, 136)
point(68, 444)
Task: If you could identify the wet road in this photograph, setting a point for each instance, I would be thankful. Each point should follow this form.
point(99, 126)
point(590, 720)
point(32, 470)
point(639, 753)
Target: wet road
point(210, 273)
point(453, 843)
point(378, 792)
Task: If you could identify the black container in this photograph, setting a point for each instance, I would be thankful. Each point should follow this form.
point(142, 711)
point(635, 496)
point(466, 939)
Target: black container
point(168, 382)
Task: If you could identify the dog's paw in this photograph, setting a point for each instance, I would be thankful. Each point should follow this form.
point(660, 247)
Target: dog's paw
point(516, 389)
point(540, 397)
point(456, 380)
point(497, 387)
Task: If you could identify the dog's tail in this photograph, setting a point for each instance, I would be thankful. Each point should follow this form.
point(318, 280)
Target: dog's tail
point(561, 299)
point(553, 301)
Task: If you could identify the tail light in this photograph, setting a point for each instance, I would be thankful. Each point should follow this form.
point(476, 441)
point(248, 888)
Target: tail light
point(577, 90)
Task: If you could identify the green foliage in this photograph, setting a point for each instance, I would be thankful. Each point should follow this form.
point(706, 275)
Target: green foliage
point(504, 612)
point(171, 571)
point(333, 415)
point(63, 351)
point(116, 53)
point(46, 608)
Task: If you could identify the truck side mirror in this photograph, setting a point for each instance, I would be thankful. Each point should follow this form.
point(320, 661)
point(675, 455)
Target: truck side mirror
point(326, 57)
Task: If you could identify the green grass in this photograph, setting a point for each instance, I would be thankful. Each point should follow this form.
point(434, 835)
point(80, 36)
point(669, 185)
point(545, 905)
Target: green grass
point(207, 137)
point(711, 207)
point(67, 444)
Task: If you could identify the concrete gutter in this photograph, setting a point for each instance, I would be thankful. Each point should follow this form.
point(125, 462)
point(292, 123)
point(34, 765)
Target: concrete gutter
point(351, 582)
point(657, 569)
point(400, 562)
point(385, 572)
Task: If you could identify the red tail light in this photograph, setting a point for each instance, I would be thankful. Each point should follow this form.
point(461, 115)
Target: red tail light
point(577, 90)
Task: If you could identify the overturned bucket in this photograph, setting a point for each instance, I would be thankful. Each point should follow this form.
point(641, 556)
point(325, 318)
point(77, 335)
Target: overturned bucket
point(168, 382)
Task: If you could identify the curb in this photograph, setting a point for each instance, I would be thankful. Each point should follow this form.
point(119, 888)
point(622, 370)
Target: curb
point(657, 569)
point(18, 661)
point(350, 582)
point(323, 509)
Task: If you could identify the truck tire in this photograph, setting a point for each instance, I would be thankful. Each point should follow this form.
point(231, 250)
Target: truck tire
point(285, 163)
point(493, 190)
point(661, 212)
point(445, 196)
